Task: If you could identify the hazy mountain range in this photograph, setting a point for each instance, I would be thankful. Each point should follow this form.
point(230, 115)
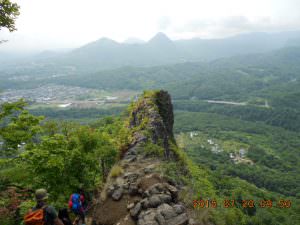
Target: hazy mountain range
point(108, 54)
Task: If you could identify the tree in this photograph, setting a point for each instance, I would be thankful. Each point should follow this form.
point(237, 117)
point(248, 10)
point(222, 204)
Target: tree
point(17, 126)
point(8, 14)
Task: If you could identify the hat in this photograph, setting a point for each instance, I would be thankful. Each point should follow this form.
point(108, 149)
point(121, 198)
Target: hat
point(41, 194)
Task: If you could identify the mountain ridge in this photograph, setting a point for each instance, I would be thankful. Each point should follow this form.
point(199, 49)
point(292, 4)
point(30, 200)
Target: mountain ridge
point(140, 193)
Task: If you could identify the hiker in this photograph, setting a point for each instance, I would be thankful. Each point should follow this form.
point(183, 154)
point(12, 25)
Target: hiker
point(42, 213)
point(76, 204)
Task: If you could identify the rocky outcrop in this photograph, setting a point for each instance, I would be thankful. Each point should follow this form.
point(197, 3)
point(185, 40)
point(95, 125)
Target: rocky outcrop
point(153, 115)
point(141, 194)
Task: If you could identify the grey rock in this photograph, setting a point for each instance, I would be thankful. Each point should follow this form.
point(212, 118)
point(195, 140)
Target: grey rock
point(154, 191)
point(154, 201)
point(131, 177)
point(160, 219)
point(166, 211)
point(134, 212)
point(173, 190)
point(145, 203)
point(117, 195)
point(147, 218)
point(179, 208)
point(146, 194)
point(165, 198)
point(181, 219)
point(110, 190)
point(133, 189)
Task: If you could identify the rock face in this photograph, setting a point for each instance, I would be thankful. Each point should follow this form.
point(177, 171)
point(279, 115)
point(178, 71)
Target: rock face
point(157, 110)
point(146, 197)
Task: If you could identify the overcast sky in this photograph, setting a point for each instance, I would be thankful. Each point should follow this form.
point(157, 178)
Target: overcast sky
point(47, 24)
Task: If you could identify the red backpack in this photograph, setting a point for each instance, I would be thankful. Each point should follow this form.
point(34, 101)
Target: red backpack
point(36, 217)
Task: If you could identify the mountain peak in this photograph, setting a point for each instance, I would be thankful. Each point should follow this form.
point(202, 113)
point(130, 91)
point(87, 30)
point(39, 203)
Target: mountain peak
point(105, 40)
point(160, 38)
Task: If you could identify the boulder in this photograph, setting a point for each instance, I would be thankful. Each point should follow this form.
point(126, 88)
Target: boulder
point(147, 217)
point(134, 212)
point(154, 201)
point(179, 208)
point(173, 190)
point(160, 219)
point(117, 194)
point(166, 211)
point(165, 198)
point(110, 190)
point(181, 219)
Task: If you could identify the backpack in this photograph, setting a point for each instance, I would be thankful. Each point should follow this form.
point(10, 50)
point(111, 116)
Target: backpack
point(36, 217)
point(76, 203)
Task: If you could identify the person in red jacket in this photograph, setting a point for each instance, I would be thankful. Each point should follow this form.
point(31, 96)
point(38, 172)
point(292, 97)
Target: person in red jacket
point(76, 204)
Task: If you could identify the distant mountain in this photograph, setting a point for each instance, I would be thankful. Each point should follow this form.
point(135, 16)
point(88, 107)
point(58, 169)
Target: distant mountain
point(106, 54)
point(159, 50)
point(241, 44)
point(160, 39)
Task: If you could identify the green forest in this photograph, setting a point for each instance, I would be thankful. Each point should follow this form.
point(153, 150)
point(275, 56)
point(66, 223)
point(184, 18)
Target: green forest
point(37, 151)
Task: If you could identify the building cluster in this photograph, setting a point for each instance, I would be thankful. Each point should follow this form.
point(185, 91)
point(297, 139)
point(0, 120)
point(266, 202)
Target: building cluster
point(45, 93)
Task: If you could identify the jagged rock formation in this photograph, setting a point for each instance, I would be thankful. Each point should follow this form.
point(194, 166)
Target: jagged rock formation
point(140, 194)
point(153, 116)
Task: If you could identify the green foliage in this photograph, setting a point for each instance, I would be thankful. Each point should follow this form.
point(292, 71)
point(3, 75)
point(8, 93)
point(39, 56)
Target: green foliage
point(8, 13)
point(273, 150)
point(25, 206)
point(18, 127)
point(151, 149)
point(8, 108)
point(274, 174)
point(69, 160)
point(75, 113)
point(57, 156)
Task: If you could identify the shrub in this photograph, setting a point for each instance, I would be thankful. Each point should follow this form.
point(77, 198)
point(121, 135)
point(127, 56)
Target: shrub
point(116, 171)
point(153, 149)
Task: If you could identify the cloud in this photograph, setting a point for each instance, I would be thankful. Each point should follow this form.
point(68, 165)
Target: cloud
point(231, 25)
point(164, 23)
